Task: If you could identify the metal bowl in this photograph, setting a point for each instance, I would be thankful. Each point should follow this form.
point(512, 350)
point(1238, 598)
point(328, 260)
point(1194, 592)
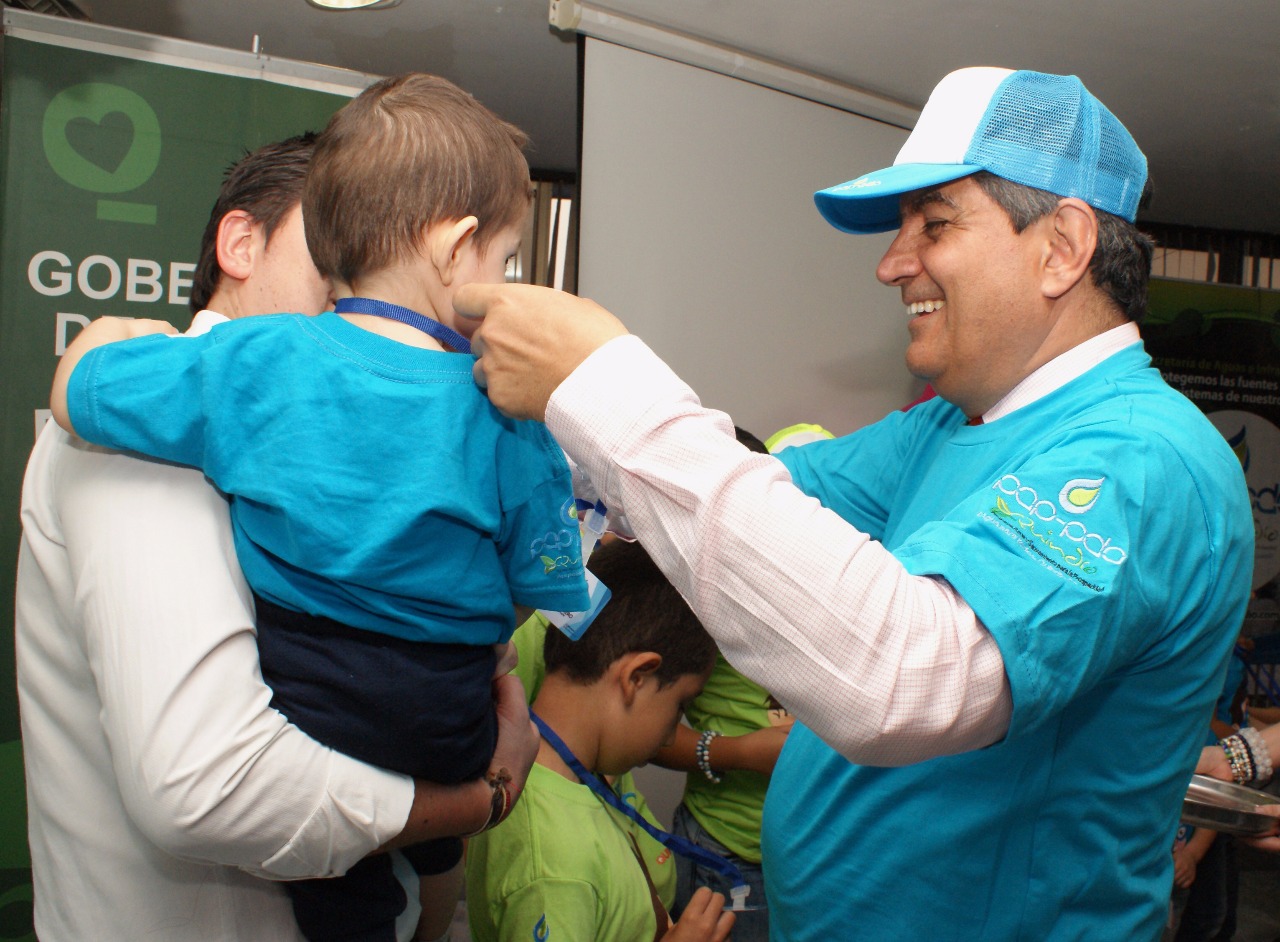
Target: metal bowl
point(1228, 808)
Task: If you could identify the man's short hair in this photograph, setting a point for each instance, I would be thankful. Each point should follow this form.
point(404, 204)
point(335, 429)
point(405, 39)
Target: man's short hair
point(644, 613)
point(408, 152)
point(1121, 263)
point(266, 184)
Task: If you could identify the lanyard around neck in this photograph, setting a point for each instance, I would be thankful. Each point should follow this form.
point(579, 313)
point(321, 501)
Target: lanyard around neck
point(673, 842)
point(446, 335)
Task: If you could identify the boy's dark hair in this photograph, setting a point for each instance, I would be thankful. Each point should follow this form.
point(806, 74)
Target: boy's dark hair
point(749, 441)
point(266, 184)
point(645, 613)
point(408, 152)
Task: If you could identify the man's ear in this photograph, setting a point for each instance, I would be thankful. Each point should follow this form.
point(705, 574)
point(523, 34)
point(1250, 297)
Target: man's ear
point(636, 670)
point(447, 241)
point(236, 244)
point(1072, 237)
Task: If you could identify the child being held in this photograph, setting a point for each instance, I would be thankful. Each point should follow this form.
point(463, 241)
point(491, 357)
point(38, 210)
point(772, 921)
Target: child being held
point(386, 516)
point(565, 865)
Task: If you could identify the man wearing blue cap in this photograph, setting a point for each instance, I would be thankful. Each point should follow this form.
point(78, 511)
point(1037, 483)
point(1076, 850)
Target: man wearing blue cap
point(1002, 623)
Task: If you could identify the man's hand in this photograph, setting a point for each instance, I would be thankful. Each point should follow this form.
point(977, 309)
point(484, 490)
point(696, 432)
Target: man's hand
point(508, 658)
point(518, 738)
point(704, 919)
point(531, 339)
point(458, 810)
point(1271, 843)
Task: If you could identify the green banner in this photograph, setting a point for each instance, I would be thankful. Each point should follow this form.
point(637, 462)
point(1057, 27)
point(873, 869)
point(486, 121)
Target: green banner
point(1220, 346)
point(111, 164)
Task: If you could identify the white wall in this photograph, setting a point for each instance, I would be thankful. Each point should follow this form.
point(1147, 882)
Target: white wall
point(698, 229)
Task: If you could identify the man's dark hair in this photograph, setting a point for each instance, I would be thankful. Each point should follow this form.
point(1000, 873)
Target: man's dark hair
point(644, 613)
point(266, 184)
point(1121, 263)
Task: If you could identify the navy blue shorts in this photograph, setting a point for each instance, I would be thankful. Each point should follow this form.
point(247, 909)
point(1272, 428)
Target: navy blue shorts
point(418, 708)
point(421, 709)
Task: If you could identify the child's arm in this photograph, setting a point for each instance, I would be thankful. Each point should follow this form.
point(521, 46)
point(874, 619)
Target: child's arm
point(101, 331)
point(756, 751)
point(539, 545)
point(1186, 858)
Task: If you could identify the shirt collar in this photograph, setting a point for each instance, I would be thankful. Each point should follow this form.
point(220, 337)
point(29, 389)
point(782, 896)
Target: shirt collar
point(203, 321)
point(1065, 367)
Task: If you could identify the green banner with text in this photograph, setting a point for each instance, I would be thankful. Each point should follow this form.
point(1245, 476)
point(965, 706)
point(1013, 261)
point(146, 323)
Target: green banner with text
point(110, 166)
point(1220, 346)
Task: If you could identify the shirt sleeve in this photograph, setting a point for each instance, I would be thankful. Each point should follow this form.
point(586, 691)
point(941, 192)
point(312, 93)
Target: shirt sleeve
point(888, 668)
point(566, 910)
point(146, 395)
point(206, 768)
point(540, 544)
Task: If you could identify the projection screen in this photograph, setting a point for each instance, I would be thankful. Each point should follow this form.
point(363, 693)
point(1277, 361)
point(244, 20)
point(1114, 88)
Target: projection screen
point(698, 229)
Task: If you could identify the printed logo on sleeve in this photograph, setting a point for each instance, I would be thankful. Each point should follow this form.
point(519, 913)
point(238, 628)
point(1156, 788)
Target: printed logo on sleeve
point(549, 548)
point(1066, 544)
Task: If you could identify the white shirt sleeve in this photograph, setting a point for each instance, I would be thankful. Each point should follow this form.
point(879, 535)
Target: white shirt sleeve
point(140, 555)
point(886, 667)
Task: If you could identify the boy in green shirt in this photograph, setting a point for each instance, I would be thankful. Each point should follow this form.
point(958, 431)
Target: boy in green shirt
point(565, 865)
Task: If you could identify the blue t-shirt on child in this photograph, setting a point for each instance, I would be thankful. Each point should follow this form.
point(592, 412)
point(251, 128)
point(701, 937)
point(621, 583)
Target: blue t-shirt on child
point(371, 482)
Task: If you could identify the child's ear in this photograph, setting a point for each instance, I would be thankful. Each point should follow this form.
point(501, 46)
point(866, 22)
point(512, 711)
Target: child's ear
point(635, 670)
point(446, 243)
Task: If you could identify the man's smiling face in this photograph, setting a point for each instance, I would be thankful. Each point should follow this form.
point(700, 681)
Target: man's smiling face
point(972, 290)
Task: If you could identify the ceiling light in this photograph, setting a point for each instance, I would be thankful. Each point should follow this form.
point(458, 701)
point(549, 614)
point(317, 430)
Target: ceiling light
point(353, 4)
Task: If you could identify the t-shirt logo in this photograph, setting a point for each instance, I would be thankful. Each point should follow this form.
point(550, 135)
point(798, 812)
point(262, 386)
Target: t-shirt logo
point(540, 930)
point(1065, 540)
point(1079, 495)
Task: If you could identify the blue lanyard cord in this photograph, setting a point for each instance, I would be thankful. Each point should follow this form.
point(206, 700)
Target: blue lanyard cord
point(673, 842)
point(446, 335)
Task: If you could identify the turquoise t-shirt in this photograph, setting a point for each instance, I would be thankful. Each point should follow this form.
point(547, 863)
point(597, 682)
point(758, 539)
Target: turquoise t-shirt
point(1103, 535)
point(371, 482)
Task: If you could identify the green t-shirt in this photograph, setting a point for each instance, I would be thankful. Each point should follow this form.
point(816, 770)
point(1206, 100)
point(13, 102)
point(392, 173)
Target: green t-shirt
point(730, 811)
point(531, 669)
point(563, 866)
point(528, 640)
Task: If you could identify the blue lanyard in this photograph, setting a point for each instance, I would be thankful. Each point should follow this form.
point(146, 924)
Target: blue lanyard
point(673, 842)
point(446, 335)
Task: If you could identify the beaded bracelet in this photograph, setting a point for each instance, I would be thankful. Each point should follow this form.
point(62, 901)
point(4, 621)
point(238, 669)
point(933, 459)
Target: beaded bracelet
point(702, 753)
point(1259, 753)
point(1239, 758)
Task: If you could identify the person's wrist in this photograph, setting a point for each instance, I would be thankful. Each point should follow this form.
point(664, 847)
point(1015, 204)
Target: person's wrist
point(702, 755)
point(503, 793)
point(1239, 758)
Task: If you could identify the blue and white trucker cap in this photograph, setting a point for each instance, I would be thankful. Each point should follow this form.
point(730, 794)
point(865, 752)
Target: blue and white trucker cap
point(1043, 131)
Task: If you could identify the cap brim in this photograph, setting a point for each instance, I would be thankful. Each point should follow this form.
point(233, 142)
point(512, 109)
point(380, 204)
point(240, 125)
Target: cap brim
point(871, 203)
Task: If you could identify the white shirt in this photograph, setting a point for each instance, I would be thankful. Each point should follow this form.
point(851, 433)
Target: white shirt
point(158, 777)
point(886, 667)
